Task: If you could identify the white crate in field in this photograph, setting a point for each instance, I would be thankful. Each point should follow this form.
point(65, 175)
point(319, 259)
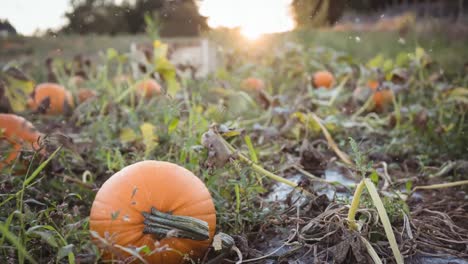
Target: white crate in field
point(197, 53)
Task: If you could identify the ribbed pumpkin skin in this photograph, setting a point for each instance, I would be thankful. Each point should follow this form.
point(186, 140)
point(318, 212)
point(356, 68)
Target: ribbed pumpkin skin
point(18, 132)
point(138, 187)
point(58, 95)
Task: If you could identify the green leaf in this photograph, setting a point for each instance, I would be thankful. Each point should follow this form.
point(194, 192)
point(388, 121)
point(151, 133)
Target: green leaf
point(388, 65)
point(238, 202)
point(40, 168)
point(18, 89)
point(160, 51)
point(374, 177)
point(173, 86)
point(402, 59)
point(47, 237)
point(149, 137)
point(112, 53)
point(409, 186)
point(252, 152)
point(173, 125)
point(420, 53)
point(376, 62)
point(133, 252)
point(66, 251)
point(144, 249)
point(127, 135)
point(165, 68)
point(222, 74)
point(77, 195)
point(16, 242)
point(231, 133)
point(307, 120)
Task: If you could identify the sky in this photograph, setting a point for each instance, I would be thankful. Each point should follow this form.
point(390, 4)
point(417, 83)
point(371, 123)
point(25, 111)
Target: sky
point(28, 15)
point(254, 17)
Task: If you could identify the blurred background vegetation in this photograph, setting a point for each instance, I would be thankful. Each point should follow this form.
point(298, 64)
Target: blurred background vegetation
point(181, 17)
point(385, 26)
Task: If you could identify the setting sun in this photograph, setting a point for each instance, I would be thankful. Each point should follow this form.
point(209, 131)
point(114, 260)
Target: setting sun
point(254, 18)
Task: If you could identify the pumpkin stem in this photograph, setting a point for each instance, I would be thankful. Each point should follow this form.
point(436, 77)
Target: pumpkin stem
point(164, 225)
point(227, 242)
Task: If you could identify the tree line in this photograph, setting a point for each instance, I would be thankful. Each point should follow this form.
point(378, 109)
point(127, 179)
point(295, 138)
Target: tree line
point(181, 17)
point(178, 17)
point(313, 13)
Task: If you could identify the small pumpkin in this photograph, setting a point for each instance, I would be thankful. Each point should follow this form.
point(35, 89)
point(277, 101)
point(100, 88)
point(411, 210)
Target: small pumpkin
point(148, 88)
point(51, 98)
point(382, 97)
point(253, 84)
point(16, 133)
point(156, 204)
point(85, 94)
point(323, 79)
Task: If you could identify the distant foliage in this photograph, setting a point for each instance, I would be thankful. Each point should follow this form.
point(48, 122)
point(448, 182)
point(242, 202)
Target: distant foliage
point(5, 26)
point(317, 12)
point(178, 17)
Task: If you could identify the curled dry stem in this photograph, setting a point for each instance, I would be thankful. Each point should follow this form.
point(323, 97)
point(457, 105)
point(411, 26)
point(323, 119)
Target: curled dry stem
point(331, 143)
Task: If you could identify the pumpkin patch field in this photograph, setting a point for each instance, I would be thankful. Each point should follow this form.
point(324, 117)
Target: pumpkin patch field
point(291, 150)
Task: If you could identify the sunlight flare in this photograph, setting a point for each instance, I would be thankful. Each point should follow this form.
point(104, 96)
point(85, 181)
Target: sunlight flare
point(253, 17)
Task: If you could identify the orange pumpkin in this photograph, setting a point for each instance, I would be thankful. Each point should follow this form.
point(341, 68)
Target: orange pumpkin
point(156, 204)
point(253, 84)
point(323, 79)
point(53, 96)
point(16, 133)
point(148, 88)
point(85, 94)
point(373, 84)
point(382, 97)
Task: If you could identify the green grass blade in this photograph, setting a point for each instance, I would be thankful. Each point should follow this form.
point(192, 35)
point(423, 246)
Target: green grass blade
point(238, 202)
point(252, 152)
point(40, 168)
point(14, 240)
point(385, 220)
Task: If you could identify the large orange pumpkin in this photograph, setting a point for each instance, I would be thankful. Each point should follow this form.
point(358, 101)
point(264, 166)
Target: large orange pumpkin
point(323, 79)
point(16, 133)
point(156, 204)
point(253, 84)
point(54, 96)
point(148, 88)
